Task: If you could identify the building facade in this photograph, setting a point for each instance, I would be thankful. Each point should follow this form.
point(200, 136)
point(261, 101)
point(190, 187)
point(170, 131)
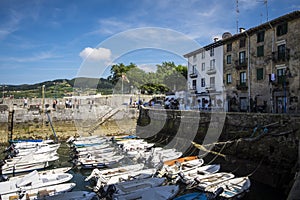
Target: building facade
point(255, 70)
point(205, 76)
point(261, 67)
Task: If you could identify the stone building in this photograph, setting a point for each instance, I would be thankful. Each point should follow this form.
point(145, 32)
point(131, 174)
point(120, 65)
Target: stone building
point(261, 67)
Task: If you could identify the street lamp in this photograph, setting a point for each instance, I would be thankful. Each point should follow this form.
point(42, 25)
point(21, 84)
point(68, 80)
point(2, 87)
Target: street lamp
point(43, 98)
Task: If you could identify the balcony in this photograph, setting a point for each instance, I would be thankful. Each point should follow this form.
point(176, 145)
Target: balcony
point(211, 87)
point(211, 71)
point(281, 56)
point(193, 75)
point(241, 85)
point(241, 64)
point(282, 80)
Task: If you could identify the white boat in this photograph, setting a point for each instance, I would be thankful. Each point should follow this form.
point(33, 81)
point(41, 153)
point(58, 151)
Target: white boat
point(75, 195)
point(206, 169)
point(119, 176)
point(157, 158)
point(202, 182)
point(86, 143)
point(232, 188)
point(99, 162)
point(96, 156)
point(52, 148)
point(158, 193)
point(39, 193)
point(33, 180)
point(172, 171)
point(29, 145)
point(32, 158)
point(146, 154)
point(127, 187)
point(92, 148)
point(141, 174)
point(129, 141)
point(100, 151)
point(28, 163)
point(81, 138)
point(45, 172)
point(24, 167)
point(135, 145)
point(115, 171)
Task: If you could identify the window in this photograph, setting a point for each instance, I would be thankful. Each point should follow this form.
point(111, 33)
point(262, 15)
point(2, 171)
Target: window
point(203, 67)
point(242, 42)
point(203, 54)
point(229, 47)
point(228, 59)
point(260, 74)
point(281, 75)
point(228, 78)
point(212, 82)
point(194, 69)
point(281, 52)
point(281, 29)
point(260, 51)
point(243, 78)
point(260, 36)
point(194, 58)
point(194, 84)
point(212, 64)
point(212, 52)
point(202, 82)
point(242, 57)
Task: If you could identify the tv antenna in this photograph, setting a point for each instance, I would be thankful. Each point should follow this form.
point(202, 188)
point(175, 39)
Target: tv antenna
point(266, 4)
point(237, 16)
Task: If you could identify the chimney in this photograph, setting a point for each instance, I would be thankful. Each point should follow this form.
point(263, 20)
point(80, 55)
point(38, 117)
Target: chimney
point(242, 30)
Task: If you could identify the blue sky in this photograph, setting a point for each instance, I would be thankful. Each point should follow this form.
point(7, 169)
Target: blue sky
point(45, 40)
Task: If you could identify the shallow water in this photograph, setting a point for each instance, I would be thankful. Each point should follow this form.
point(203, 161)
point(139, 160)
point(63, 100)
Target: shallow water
point(257, 190)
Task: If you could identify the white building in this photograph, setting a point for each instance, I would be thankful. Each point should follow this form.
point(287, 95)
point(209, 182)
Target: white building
point(205, 76)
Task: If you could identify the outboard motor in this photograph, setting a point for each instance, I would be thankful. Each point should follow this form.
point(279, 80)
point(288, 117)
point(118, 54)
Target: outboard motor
point(197, 180)
point(181, 175)
point(217, 193)
point(101, 193)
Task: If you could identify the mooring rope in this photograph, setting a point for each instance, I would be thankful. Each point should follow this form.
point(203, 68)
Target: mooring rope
point(201, 147)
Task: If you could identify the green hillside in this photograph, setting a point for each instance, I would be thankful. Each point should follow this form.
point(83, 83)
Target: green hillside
point(58, 88)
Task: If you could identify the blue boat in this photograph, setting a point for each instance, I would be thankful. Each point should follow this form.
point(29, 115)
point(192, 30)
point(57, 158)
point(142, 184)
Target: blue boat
point(25, 140)
point(193, 196)
point(201, 195)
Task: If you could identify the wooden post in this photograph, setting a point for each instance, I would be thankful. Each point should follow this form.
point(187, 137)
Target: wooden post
point(10, 124)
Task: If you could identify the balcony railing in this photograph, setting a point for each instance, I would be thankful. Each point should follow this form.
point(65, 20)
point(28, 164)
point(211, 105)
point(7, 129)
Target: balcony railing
point(281, 56)
point(241, 85)
point(211, 71)
point(241, 64)
point(211, 87)
point(193, 75)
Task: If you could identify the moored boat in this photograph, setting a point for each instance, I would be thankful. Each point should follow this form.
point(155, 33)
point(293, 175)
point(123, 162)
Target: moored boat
point(232, 188)
point(39, 193)
point(158, 193)
point(33, 180)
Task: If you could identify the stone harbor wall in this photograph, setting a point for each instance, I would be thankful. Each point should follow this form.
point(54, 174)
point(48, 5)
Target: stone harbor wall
point(85, 120)
point(262, 145)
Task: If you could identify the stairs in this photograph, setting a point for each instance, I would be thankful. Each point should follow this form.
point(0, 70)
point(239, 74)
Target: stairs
point(103, 119)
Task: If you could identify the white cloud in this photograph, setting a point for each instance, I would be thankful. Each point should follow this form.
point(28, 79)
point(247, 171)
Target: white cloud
point(148, 67)
point(96, 54)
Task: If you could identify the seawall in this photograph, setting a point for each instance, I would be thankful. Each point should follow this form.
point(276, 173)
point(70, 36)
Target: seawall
point(264, 146)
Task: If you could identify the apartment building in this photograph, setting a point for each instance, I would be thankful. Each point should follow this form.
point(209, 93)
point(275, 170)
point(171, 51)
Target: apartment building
point(261, 67)
point(205, 76)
